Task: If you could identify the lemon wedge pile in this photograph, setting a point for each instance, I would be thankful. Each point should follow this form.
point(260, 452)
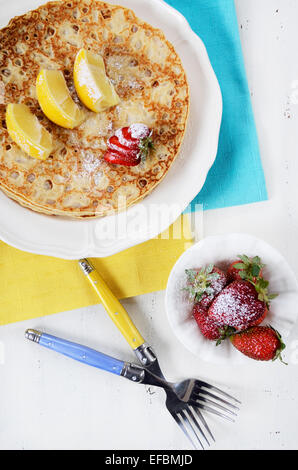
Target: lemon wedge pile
point(93, 88)
point(55, 100)
point(25, 129)
point(91, 82)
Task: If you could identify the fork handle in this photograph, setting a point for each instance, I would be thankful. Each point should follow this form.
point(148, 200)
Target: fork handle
point(112, 305)
point(77, 351)
point(88, 356)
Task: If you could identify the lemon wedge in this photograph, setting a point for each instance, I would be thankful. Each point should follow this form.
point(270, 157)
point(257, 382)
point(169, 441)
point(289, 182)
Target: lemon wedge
point(25, 130)
point(91, 82)
point(55, 100)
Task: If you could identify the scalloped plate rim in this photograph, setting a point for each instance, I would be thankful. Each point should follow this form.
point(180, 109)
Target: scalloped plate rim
point(237, 358)
point(92, 249)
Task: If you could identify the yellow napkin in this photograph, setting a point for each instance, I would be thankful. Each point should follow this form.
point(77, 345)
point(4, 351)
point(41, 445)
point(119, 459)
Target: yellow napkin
point(32, 285)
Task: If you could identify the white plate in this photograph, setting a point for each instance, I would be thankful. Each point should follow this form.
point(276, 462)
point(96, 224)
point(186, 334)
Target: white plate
point(221, 251)
point(73, 239)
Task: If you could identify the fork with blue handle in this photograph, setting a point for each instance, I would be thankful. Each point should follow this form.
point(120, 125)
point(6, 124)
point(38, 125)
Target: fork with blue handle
point(185, 399)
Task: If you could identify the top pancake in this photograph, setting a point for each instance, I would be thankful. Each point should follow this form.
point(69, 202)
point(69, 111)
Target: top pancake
point(149, 78)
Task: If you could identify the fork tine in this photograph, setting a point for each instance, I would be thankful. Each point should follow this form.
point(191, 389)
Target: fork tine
point(216, 412)
point(185, 420)
point(184, 430)
point(216, 389)
point(201, 417)
point(216, 397)
point(211, 402)
point(191, 412)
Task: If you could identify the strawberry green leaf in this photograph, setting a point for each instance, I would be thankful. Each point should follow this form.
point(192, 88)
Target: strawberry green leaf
point(209, 268)
point(255, 270)
point(272, 296)
point(199, 282)
point(244, 258)
point(242, 274)
point(250, 270)
point(225, 332)
point(145, 145)
point(239, 265)
point(281, 347)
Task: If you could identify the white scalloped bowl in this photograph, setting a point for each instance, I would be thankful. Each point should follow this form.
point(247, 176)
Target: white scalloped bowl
point(73, 239)
point(222, 250)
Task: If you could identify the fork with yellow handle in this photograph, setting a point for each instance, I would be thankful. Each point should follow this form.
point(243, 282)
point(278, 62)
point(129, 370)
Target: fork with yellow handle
point(181, 395)
point(120, 317)
point(184, 399)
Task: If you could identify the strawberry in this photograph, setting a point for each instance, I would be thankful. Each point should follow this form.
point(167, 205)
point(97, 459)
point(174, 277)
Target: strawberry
point(207, 326)
point(260, 319)
point(237, 306)
point(130, 145)
point(262, 343)
point(245, 268)
point(250, 269)
point(205, 283)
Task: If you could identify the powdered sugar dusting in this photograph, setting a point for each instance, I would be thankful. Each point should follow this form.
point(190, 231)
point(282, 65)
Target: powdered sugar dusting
point(122, 139)
point(207, 325)
point(86, 79)
point(219, 282)
point(139, 131)
point(237, 305)
point(89, 163)
point(114, 147)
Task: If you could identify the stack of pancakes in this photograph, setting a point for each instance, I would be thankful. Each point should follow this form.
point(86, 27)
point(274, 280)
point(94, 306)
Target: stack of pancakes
point(149, 78)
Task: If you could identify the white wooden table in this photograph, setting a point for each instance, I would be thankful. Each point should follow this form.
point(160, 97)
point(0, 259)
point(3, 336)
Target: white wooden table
point(50, 402)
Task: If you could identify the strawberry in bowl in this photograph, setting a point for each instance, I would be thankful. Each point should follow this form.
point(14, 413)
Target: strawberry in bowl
point(232, 303)
point(207, 326)
point(191, 321)
point(205, 283)
point(238, 306)
point(245, 268)
point(262, 343)
point(130, 145)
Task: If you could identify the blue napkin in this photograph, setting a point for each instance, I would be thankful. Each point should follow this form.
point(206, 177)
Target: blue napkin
point(237, 175)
